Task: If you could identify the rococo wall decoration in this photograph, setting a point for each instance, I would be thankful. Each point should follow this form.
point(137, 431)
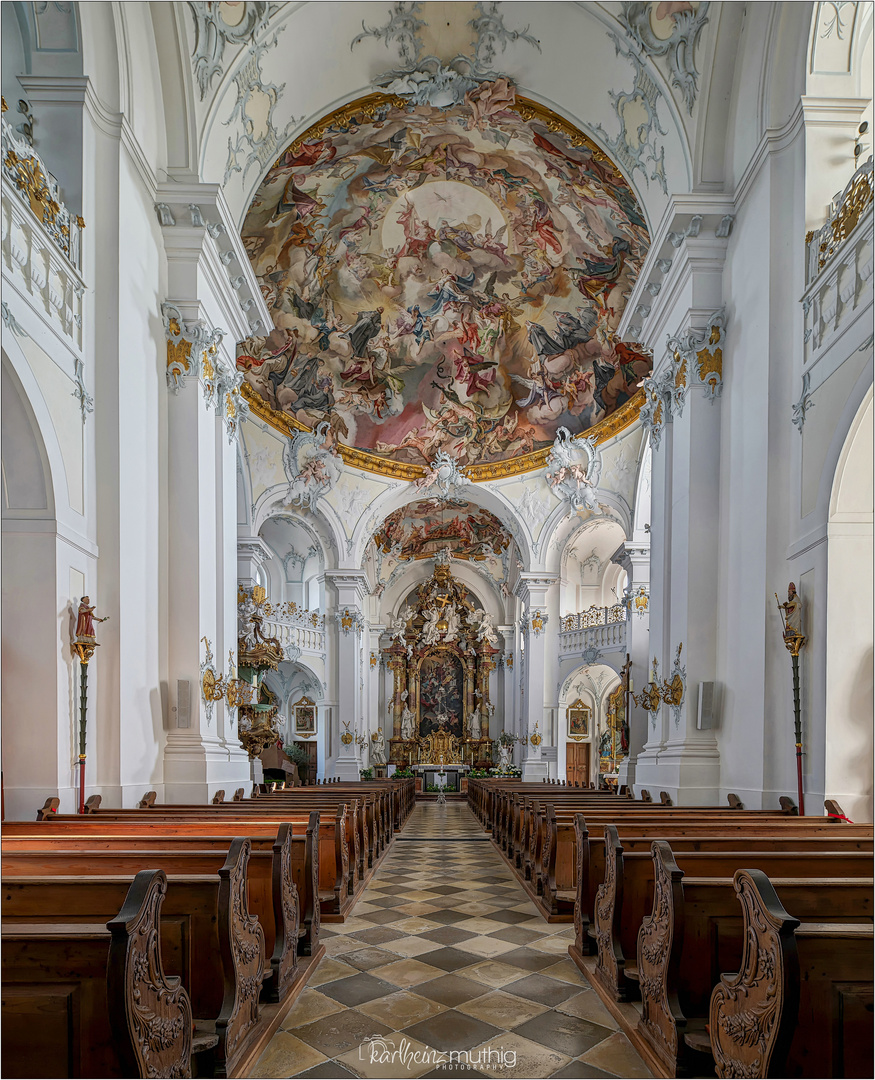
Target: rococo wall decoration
point(444, 278)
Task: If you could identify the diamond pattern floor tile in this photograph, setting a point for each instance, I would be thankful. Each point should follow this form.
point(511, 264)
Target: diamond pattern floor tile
point(445, 952)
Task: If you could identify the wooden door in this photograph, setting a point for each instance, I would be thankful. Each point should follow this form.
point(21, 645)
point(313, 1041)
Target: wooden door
point(313, 751)
point(577, 763)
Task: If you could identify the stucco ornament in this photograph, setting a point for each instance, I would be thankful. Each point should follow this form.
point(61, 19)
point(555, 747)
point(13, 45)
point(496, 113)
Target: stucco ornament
point(800, 408)
point(86, 401)
point(427, 80)
point(443, 474)
point(485, 628)
point(636, 147)
point(189, 344)
point(673, 35)
point(212, 33)
point(574, 469)
point(312, 466)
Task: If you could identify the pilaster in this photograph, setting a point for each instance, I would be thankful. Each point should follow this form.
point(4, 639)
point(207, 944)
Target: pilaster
point(350, 588)
point(539, 594)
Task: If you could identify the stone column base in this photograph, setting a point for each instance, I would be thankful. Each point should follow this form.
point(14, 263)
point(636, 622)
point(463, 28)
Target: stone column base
point(534, 769)
point(195, 769)
point(347, 769)
point(690, 775)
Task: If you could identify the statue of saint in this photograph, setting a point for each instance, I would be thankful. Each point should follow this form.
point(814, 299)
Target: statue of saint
point(792, 613)
point(407, 719)
point(431, 635)
point(85, 621)
point(378, 748)
point(474, 725)
point(453, 623)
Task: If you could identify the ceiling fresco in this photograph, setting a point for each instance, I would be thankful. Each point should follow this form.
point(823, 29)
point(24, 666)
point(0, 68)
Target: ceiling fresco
point(444, 278)
point(421, 529)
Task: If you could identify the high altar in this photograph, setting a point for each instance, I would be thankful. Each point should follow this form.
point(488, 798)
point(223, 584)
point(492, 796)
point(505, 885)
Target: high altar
point(441, 658)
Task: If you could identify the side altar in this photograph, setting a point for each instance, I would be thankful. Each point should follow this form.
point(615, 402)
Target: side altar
point(441, 658)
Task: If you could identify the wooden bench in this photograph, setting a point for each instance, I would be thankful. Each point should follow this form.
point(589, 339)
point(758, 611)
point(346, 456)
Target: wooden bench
point(269, 894)
point(224, 941)
point(801, 1002)
point(624, 898)
point(92, 1000)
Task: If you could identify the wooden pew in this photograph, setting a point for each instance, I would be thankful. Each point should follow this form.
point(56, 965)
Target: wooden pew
point(191, 850)
point(803, 991)
point(226, 942)
point(624, 898)
point(92, 1000)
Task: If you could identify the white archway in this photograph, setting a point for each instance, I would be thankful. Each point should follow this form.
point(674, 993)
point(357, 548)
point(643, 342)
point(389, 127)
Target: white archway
point(849, 637)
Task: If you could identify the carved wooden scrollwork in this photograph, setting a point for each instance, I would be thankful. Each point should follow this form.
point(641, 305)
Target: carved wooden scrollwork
point(608, 903)
point(149, 1012)
point(581, 914)
point(357, 814)
point(241, 941)
point(660, 941)
point(286, 916)
point(341, 855)
point(753, 1013)
point(313, 855)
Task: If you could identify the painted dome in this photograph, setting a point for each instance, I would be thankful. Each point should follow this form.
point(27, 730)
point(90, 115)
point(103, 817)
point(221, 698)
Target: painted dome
point(444, 279)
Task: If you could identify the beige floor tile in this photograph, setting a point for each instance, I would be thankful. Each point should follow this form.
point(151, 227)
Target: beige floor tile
point(335, 946)
point(329, 970)
point(616, 1055)
point(352, 924)
point(417, 894)
point(567, 971)
point(532, 1060)
point(554, 945)
point(409, 972)
point(402, 1009)
point(478, 908)
point(588, 1006)
point(418, 909)
point(414, 926)
point(411, 946)
point(286, 1056)
point(492, 972)
point(486, 946)
point(479, 926)
point(310, 1006)
point(503, 1010)
point(392, 1057)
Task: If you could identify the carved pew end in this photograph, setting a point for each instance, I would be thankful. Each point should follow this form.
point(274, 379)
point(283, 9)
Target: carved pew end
point(238, 795)
point(49, 807)
point(665, 798)
point(147, 801)
point(92, 804)
point(734, 802)
point(646, 796)
point(834, 812)
point(219, 797)
point(788, 806)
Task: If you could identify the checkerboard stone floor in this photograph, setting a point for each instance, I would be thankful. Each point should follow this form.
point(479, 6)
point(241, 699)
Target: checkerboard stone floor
point(444, 952)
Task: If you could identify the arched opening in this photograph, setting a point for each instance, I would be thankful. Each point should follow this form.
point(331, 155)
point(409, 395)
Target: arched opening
point(586, 712)
point(36, 741)
point(849, 637)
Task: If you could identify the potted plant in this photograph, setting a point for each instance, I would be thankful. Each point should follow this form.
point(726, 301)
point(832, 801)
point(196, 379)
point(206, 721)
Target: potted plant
point(366, 774)
point(297, 754)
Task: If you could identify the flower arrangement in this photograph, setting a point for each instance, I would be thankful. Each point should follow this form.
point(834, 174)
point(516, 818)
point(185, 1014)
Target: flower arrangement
point(403, 774)
point(366, 774)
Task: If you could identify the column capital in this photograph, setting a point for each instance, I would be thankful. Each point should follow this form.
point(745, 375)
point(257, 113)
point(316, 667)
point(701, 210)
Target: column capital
point(532, 588)
point(352, 586)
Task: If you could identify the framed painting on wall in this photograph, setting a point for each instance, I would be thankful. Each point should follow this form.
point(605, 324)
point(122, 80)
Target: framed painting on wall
point(579, 716)
point(305, 717)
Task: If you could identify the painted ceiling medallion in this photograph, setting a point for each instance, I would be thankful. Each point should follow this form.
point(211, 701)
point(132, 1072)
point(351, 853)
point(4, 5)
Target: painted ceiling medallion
point(445, 279)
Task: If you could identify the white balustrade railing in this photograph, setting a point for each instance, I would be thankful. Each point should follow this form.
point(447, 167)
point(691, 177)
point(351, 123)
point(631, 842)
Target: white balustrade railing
point(38, 189)
point(296, 627)
point(597, 628)
point(846, 211)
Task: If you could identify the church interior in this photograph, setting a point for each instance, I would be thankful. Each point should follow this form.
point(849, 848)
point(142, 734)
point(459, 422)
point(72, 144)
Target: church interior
point(437, 568)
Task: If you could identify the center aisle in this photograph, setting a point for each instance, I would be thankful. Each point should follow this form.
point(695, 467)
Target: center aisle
point(445, 968)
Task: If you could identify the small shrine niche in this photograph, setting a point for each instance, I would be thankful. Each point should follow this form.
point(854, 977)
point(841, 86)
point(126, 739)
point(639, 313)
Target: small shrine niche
point(441, 659)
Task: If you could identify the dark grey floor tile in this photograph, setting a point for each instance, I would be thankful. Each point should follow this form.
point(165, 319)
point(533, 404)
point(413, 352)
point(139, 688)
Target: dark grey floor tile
point(450, 959)
point(357, 989)
point(452, 1030)
point(328, 1070)
point(567, 1034)
point(539, 988)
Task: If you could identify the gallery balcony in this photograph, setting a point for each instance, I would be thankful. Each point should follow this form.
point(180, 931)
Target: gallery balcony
point(296, 628)
point(838, 278)
point(601, 629)
point(41, 237)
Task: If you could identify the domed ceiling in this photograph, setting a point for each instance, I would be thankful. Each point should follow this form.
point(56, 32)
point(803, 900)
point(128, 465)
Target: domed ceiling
point(444, 279)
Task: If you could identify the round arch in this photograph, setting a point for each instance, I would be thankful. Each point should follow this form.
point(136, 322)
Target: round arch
point(849, 637)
